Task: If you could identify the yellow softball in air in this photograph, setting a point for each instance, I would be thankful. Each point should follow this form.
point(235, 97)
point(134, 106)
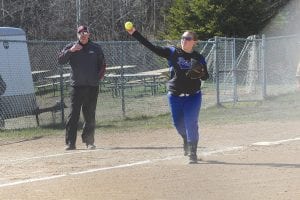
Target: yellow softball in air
point(128, 26)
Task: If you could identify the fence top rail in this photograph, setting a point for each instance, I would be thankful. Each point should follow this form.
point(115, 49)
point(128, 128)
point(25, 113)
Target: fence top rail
point(239, 39)
point(282, 37)
point(209, 41)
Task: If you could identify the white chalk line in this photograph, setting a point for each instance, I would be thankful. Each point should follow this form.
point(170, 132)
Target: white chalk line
point(222, 150)
point(86, 171)
point(136, 163)
point(275, 142)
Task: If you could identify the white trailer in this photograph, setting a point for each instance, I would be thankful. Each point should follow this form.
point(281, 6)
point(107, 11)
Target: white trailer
point(19, 97)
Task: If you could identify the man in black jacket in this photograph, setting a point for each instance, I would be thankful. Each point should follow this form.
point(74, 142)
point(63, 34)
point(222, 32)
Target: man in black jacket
point(88, 66)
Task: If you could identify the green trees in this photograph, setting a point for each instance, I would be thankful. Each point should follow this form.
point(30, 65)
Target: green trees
point(238, 18)
point(156, 19)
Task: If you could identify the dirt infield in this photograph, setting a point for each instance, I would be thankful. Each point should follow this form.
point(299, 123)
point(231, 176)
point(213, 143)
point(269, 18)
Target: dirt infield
point(243, 161)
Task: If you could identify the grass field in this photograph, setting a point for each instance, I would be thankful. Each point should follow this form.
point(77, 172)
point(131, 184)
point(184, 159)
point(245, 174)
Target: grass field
point(277, 108)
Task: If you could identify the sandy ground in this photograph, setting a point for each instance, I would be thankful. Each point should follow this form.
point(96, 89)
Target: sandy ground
point(243, 161)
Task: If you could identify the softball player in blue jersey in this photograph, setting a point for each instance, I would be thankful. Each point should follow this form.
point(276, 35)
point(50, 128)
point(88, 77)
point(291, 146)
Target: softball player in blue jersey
point(184, 92)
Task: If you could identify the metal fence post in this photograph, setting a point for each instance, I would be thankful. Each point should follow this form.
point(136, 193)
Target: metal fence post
point(234, 71)
point(122, 80)
point(217, 70)
point(264, 73)
point(62, 95)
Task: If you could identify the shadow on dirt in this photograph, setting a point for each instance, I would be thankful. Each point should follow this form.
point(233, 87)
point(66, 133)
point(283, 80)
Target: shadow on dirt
point(285, 165)
point(20, 141)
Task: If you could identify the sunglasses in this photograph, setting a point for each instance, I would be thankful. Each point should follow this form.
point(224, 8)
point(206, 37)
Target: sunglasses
point(83, 33)
point(187, 38)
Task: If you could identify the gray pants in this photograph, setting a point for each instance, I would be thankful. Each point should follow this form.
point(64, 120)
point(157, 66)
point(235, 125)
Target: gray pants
point(85, 98)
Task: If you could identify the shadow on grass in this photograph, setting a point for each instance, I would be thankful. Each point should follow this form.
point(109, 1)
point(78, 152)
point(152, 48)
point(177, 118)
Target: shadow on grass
point(127, 122)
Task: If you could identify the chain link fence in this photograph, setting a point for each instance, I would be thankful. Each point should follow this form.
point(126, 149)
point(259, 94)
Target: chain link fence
point(135, 84)
point(238, 69)
point(254, 68)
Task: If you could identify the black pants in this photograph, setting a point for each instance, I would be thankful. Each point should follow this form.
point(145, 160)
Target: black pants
point(85, 98)
point(2, 123)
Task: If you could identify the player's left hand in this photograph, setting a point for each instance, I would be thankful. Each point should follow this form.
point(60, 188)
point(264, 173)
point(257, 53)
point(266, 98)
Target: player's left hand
point(197, 71)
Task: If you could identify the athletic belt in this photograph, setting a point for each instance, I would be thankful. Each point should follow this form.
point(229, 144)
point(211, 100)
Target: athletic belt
point(182, 94)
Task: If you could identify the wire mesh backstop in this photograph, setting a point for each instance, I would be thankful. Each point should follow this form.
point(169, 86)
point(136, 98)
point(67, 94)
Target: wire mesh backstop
point(135, 84)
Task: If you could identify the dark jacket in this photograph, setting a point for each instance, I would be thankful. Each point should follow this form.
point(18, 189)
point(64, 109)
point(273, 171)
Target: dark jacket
point(2, 86)
point(85, 64)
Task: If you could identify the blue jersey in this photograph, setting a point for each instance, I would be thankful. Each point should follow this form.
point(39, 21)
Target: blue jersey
point(179, 62)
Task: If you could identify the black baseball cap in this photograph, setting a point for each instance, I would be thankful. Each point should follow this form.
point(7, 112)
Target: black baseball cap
point(82, 28)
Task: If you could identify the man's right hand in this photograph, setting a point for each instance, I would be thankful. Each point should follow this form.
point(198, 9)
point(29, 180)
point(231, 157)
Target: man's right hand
point(76, 47)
